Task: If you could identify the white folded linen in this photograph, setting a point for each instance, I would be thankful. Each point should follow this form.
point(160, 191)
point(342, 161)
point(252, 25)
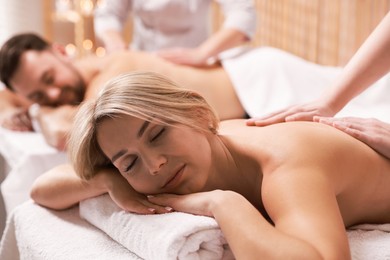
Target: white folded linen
point(370, 242)
point(267, 79)
point(34, 232)
point(165, 236)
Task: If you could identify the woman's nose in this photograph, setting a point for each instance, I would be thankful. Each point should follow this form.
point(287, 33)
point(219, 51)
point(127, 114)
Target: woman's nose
point(155, 163)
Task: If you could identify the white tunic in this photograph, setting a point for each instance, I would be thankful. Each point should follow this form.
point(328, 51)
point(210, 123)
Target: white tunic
point(159, 24)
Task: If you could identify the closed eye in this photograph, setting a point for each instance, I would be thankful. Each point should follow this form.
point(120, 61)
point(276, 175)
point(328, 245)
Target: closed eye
point(128, 168)
point(36, 97)
point(158, 135)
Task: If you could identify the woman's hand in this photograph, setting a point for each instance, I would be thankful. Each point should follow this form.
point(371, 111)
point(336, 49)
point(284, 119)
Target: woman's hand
point(371, 131)
point(202, 203)
point(123, 194)
point(304, 112)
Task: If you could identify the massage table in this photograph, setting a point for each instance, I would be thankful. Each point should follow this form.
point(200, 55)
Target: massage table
point(265, 79)
point(91, 231)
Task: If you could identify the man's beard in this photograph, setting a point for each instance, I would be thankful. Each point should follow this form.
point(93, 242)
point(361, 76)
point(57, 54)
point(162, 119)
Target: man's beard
point(78, 90)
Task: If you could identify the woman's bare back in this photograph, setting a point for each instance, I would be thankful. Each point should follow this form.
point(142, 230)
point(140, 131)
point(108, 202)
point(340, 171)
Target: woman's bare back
point(359, 175)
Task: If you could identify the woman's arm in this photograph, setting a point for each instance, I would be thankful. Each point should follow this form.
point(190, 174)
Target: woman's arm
point(60, 188)
point(302, 231)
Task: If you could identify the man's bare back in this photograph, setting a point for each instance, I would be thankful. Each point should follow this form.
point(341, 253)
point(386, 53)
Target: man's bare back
point(212, 83)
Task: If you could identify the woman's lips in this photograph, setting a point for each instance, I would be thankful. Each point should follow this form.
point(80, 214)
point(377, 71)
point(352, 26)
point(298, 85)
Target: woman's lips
point(175, 178)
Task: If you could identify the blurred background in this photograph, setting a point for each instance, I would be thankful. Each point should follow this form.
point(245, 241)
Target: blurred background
point(327, 32)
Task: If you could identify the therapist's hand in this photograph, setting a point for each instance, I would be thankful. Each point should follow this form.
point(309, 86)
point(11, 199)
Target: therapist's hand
point(184, 56)
point(371, 131)
point(304, 112)
point(113, 41)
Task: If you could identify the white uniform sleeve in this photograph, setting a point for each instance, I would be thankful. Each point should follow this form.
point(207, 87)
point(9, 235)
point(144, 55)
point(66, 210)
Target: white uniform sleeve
point(111, 14)
point(240, 15)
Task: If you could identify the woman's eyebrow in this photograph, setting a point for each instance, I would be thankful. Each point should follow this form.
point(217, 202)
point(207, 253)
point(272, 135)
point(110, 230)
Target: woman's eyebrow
point(143, 128)
point(117, 155)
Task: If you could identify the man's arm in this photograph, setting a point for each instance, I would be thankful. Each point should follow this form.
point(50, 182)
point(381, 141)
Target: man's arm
point(14, 112)
point(55, 124)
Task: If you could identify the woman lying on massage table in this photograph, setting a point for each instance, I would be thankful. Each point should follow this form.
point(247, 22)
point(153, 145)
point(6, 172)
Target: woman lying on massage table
point(285, 190)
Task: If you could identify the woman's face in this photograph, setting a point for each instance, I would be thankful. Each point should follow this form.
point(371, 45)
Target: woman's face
point(156, 158)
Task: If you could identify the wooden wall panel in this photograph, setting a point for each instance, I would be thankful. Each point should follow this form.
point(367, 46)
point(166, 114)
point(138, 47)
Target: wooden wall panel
point(327, 32)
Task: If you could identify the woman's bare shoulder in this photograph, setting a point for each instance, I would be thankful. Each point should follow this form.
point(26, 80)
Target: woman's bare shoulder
point(296, 140)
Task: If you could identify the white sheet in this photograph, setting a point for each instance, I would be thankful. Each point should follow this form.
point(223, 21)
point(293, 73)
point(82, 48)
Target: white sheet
point(268, 79)
point(28, 156)
point(34, 232)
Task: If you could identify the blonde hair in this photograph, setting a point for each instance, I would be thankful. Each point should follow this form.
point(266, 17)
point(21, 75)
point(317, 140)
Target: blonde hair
point(144, 95)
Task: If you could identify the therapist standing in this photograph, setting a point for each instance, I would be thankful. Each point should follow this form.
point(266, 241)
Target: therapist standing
point(370, 63)
point(178, 30)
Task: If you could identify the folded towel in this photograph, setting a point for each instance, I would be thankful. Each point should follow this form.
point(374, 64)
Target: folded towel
point(369, 241)
point(185, 236)
point(370, 227)
point(165, 236)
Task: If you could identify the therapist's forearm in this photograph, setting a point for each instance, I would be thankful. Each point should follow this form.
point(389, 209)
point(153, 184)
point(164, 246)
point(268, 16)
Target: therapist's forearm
point(113, 40)
point(222, 40)
point(370, 63)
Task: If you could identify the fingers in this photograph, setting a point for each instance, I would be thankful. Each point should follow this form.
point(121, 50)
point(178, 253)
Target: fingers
point(371, 131)
point(344, 123)
point(350, 125)
point(281, 116)
point(145, 207)
point(18, 122)
point(272, 118)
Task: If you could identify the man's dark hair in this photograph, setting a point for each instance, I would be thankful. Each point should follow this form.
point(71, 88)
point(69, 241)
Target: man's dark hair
point(12, 50)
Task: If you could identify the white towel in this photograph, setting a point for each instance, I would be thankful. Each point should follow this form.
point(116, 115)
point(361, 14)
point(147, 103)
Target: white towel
point(370, 242)
point(165, 236)
point(268, 79)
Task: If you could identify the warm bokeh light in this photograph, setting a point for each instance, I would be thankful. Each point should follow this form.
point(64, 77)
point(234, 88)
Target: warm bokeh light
point(87, 44)
point(86, 7)
point(100, 51)
point(70, 49)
